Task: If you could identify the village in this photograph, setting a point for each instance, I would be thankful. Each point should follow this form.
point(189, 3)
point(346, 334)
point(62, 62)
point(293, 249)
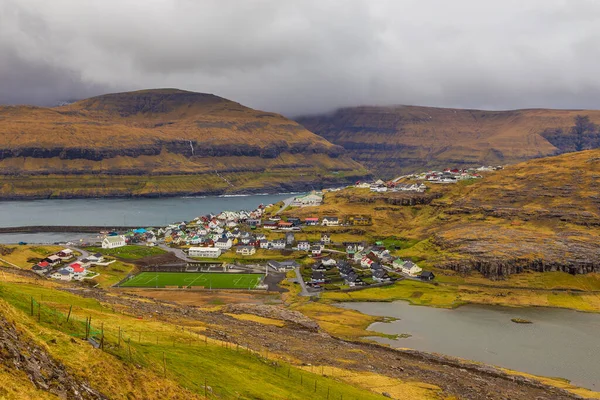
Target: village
point(234, 239)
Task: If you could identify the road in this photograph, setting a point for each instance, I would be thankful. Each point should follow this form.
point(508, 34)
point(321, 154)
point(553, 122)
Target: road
point(286, 203)
point(178, 252)
point(304, 291)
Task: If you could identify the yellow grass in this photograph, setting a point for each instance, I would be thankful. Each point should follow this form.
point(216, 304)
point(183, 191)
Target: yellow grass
point(21, 254)
point(257, 318)
point(559, 383)
point(398, 389)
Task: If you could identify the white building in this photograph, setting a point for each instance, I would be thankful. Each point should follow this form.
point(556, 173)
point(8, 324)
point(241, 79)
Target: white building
point(206, 252)
point(278, 244)
point(62, 274)
point(330, 221)
point(411, 268)
point(224, 243)
point(111, 242)
point(303, 246)
point(245, 250)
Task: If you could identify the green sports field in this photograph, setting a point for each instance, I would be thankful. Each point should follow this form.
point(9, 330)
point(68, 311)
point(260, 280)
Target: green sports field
point(194, 279)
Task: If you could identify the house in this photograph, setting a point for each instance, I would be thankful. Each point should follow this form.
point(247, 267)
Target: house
point(278, 244)
point(352, 279)
point(270, 225)
point(111, 242)
point(427, 276)
point(380, 275)
point(284, 225)
point(317, 277)
point(325, 238)
point(61, 274)
point(366, 262)
point(330, 221)
point(205, 252)
point(318, 266)
point(294, 221)
point(304, 246)
point(358, 221)
point(412, 269)
point(311, 221)
point(397, 264)
point(253, 222)
point(283, 266)
point(223, 243)
point(264, 244)
point(65, 254)
point(245, 250)
point(328, 261)
point(52, 260)
point(315, 250)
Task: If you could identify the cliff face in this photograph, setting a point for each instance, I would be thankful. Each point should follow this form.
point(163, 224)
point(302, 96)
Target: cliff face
point(402, 139)
point(163, 132)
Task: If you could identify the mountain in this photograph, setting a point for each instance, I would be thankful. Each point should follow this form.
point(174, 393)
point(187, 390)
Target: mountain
point(160, 142)
point(404, 139)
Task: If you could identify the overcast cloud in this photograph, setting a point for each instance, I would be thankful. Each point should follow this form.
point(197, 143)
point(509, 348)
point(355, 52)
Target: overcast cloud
point(306, 56)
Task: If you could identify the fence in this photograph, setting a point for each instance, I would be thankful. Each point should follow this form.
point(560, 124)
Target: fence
point(126, 345)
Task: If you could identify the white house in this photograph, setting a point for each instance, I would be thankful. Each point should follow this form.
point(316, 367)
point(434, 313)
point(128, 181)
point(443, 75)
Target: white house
point(206, 252)
point(325, 238)
point(330, 221)
point(223, 244)
point(303, 246)
point(315, 250)
point(278, 244)
point(245, 250)
point(264, 244)
point(61, 274)
point(328, 261)
point(111, 242)
point(412, 269)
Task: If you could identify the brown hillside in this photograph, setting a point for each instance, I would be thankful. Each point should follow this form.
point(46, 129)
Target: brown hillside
point(541, 215)
point(162, 132)
point(392, 140)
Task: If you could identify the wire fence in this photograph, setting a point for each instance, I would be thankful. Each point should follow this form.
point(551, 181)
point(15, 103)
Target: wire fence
point(128, 346)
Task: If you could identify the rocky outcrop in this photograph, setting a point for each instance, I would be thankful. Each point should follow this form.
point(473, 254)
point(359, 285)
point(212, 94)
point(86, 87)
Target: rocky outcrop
point(294, 318)
point(45, 373)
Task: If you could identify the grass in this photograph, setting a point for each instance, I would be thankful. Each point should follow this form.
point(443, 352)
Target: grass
point(21, 254)
point(259, 319)
point(451, 296)
point(194, 279)
point(112, 273)
point(190, 361)
point(129, 252)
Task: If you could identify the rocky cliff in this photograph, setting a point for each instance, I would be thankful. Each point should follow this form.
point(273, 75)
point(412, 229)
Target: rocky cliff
point(147, 136)
point(403, 139)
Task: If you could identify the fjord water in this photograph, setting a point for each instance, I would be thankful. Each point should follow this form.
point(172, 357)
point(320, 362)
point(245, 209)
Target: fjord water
point(115, 212)
point(559, 343)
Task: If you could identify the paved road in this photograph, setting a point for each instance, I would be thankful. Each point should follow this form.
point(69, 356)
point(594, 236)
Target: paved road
point(178, 252)
point(304, 291)
point(286, 203)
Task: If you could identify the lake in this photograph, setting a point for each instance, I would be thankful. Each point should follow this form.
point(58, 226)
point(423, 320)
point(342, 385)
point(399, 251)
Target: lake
point(559, 343)
point(120, 212)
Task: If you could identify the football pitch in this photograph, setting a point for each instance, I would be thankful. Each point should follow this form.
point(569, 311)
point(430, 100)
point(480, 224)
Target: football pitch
point(194, 279)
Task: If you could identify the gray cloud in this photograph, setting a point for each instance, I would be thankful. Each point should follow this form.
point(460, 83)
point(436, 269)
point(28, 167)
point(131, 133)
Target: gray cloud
point(307, 56)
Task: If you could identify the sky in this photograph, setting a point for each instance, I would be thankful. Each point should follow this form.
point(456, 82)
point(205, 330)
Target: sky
point(306, 56)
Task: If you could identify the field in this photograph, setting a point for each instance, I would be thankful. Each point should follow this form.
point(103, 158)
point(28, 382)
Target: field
point(194, 279)
point(131, 252)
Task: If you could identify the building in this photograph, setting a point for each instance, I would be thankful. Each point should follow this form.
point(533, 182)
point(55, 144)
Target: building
point(427, 276)
point(303, 246)
point(290, 238)
point(65, 254)
point(410, 268)
point(283, 266)
point(62, 274)
point(358, 221)
point(315, 250)
point(311, 221)
point(223, 243)
point(278, 244)
point(111, 242)
point(330, 221)
point(205, 252)
point(311, 199)
point(245, 250)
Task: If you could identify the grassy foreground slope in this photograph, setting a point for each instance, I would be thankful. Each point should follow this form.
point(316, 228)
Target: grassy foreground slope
point(160, 142)
point(150, 349)
point(390, 140)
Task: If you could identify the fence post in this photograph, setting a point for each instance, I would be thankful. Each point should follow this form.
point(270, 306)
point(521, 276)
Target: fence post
point(129, 348)
point(205, 394)
point(164, 364)
point(69, 315)
point(32, 306)
point(39, 312)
